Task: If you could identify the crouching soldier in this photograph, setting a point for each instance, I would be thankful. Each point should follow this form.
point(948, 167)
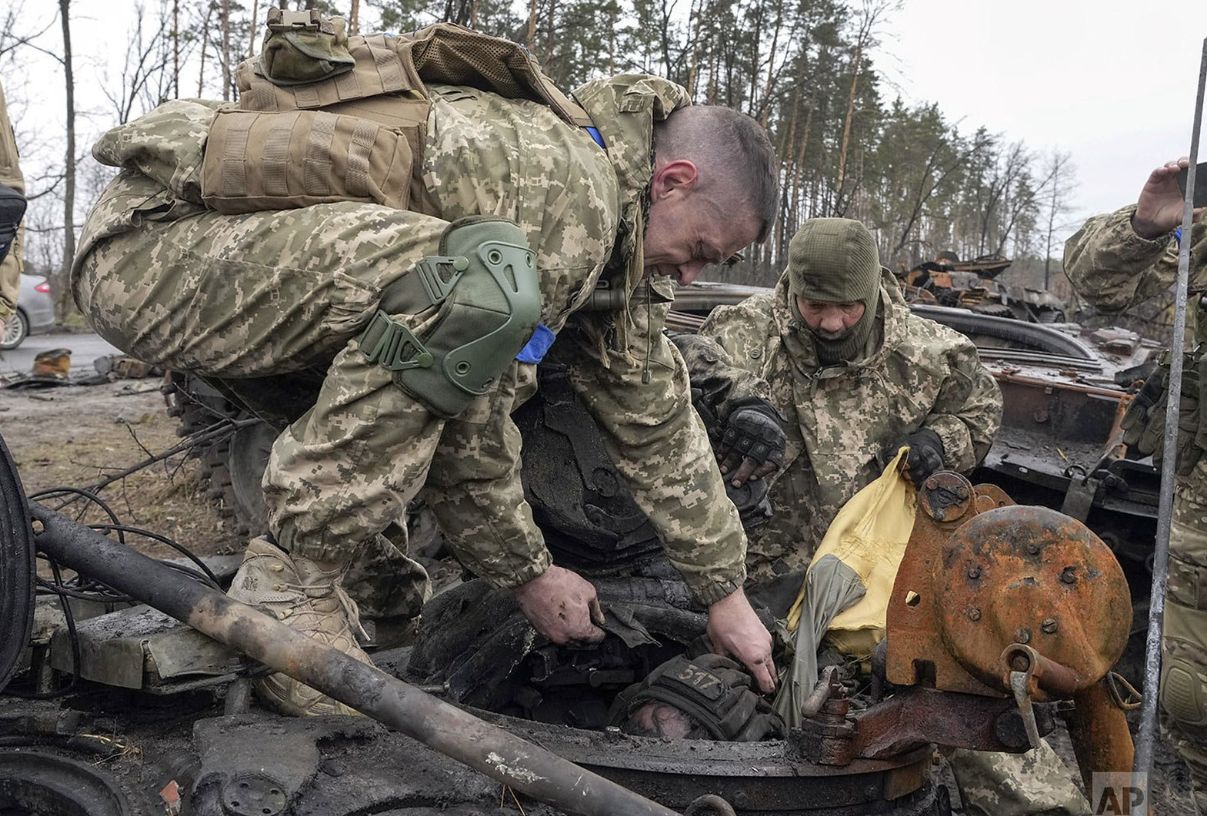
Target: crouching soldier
point(368, 210)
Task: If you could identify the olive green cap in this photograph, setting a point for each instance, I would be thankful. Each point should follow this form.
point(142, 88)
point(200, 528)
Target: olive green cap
point(834, 260)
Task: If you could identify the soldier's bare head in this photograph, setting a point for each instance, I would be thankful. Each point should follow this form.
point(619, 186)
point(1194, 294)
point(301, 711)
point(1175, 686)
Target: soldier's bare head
point(714, 190)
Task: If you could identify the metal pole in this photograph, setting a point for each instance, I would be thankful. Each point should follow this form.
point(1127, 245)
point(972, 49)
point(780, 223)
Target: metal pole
point(453, 732)
point(1156, 609)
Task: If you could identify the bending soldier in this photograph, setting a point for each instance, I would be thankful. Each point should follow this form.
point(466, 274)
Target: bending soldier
point(467, 248)
point(1115, 261)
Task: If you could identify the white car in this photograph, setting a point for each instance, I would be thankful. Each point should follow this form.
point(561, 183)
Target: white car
point(35, 312)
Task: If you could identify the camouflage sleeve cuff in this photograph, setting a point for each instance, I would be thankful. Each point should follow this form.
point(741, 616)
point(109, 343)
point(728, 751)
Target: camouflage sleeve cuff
point(1141, 249)
point(957, 441)
point(708, 590)
point(518, 575)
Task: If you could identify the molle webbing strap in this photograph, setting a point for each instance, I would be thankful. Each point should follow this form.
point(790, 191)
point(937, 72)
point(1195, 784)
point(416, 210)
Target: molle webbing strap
point(234, 175)
point(317, 168)
point(276, 155)
point(358, 157)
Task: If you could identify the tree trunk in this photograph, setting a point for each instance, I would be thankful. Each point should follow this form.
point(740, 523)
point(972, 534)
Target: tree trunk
point(530, 40)
point(226, 50)
point(253, 25)
point(846, 126)
point(69, 160)
point(354, 18)
point(205, 41)
point(175, 49)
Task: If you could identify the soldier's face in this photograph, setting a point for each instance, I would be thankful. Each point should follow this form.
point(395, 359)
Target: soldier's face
point(830, 321)
point(687, 230)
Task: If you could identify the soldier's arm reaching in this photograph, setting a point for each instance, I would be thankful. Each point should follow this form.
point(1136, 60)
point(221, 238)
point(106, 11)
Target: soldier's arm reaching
point(1122, 258)
point(640, 398)
point(968, 411)
point(747, 431)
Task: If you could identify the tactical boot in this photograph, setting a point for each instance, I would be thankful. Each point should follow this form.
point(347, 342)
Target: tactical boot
point(307, 598)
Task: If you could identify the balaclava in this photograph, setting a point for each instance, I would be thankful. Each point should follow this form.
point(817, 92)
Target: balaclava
point(834, 260)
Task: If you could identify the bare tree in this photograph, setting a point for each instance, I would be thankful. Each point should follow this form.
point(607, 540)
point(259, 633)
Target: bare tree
point(872, 13)
point(68, 161)
point(144, 72)
point(1061, 184)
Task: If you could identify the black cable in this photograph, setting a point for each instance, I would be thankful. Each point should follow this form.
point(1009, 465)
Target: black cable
point(86, 494)
point(211, 578)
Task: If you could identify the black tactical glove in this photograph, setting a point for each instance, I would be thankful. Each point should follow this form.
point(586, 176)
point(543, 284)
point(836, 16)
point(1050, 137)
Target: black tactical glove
point(925, 454)
point(713, 691)
point(752, 442)
point(1143, 423)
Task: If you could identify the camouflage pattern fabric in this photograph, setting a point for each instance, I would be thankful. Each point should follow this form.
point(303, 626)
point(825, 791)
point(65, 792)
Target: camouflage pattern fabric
point(10, 176)
point(915, 374)
point(1113, 269)
point(1037, 783)
point(271, 292)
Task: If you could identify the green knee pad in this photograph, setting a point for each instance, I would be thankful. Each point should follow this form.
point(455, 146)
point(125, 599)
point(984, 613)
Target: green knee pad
point(485, 282)
point(1183, 690)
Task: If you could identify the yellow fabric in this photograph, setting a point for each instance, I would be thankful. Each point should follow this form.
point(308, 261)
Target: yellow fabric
point(869, 535)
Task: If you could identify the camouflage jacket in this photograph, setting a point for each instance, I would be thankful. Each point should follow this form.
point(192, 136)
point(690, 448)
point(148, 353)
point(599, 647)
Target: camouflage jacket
point(584, 216)
point(10, 176)
point(915, 374)
point(1114, 268)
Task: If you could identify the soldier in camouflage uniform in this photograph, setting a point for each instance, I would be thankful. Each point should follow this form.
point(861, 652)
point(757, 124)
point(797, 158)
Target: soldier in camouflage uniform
point(10, 176)
point(836, 350)
point(665, 189)
point(1117, 260)
point(853, 372)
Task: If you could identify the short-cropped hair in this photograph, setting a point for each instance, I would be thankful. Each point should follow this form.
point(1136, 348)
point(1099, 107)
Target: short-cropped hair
point(733, 152)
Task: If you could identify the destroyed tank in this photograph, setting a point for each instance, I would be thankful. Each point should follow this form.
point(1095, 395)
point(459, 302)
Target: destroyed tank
point(973, 285)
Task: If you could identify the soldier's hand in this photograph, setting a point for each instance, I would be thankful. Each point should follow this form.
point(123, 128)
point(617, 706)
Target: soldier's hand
point(752, 444)
point(735, 630)
point(1159, 208)
point(924, 458)
point(562, 606)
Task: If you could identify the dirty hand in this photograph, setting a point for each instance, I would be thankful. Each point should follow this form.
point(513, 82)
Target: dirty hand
point(1159, 208)
point(562, 606)
point(925, 454)
point(752, 444)
point(734, 629)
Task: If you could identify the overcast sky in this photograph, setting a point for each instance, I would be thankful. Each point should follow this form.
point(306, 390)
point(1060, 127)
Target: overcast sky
point(1112, 82)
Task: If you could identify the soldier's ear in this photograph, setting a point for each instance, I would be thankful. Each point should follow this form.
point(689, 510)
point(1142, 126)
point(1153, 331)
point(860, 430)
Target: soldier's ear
point(673, 178)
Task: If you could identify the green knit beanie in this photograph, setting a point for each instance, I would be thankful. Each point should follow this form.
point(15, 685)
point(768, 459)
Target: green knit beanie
point(834, 260)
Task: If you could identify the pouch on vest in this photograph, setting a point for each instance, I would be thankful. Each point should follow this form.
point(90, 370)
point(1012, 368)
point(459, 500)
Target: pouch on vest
point(268, 161)
point(302, 47)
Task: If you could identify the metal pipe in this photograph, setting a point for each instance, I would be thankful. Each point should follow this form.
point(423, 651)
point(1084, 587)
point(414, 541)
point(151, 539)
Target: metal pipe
point(1156, 609)
point(486, 748)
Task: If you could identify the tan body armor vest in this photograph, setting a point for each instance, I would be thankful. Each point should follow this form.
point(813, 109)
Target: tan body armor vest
point(357, 133)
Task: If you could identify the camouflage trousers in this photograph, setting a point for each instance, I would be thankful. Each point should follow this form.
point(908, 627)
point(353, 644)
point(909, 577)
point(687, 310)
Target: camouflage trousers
point(1037, 783)
point(1184, 660)
point(271, 292)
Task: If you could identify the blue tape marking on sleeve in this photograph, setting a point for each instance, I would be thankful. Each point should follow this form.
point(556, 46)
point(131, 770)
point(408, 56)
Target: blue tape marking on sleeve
point(594, 134)
point(538, 345)
point(1177, 235)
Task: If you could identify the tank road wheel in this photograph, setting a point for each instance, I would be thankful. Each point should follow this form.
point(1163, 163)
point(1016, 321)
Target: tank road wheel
point(198, 406)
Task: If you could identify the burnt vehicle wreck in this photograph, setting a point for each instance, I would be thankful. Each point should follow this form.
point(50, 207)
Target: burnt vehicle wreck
point(156, 716)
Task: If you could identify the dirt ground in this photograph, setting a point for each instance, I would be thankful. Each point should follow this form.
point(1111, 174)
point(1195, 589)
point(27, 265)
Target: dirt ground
point(79, 435)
